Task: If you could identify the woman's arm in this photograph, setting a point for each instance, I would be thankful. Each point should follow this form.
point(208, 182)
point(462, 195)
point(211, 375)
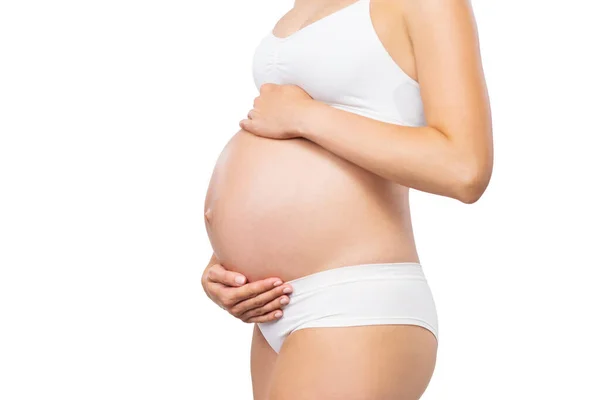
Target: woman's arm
point(452, 155)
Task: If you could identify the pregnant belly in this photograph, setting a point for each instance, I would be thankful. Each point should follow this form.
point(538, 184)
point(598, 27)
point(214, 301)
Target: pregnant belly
point(288, 208)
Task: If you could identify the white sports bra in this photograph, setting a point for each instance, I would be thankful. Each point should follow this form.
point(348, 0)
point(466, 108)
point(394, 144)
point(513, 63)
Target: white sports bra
point(339, 60)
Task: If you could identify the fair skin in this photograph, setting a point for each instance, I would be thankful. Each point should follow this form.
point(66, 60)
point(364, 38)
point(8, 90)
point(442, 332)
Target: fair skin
point(450, 156)
point(258, 301)
point(436, 43)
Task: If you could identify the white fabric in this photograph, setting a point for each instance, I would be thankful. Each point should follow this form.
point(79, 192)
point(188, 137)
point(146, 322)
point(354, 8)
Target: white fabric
point(339, 60)
point(363, 294)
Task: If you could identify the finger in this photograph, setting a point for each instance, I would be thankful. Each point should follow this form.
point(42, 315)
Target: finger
point(246, 125)
point(253, 289)
point(276, 304)
point(217, 273)
point(260, 300)
point(267, 317)
point(265, 87)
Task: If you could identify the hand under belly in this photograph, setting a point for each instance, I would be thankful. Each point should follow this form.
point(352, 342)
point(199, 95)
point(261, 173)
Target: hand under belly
point(287, 208)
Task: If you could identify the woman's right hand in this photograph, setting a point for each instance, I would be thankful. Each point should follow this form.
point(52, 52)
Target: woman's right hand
point(253, 302)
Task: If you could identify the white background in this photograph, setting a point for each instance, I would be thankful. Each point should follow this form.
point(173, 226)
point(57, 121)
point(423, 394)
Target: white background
point(112, 115)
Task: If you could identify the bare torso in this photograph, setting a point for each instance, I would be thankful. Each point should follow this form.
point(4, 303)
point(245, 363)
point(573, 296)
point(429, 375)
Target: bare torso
point(288, 208)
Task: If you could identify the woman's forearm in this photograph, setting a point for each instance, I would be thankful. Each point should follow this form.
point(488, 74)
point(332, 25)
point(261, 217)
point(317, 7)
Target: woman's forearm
point(419, 157)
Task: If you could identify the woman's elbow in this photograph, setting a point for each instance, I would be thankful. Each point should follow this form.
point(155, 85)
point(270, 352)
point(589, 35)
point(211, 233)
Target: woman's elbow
point(473, 182)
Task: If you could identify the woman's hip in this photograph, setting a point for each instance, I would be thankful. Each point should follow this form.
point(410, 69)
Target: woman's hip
point(395, 293)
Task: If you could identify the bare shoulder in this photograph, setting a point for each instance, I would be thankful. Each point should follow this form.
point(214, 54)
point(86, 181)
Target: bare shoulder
point(416, 32)
point(445, 42)
point(444, 37)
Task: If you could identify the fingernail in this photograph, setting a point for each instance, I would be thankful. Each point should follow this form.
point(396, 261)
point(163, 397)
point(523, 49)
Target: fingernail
point(240, 280)
point(287, 290)
point(278, 314)
point(285, 300)
point(277, 283)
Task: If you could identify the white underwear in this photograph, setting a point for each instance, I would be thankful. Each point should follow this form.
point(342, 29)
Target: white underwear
point(364, 294)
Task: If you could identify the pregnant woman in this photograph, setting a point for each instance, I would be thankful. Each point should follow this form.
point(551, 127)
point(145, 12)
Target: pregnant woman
point(307, 210)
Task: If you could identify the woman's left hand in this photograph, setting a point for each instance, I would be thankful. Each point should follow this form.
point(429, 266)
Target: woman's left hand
point(276, 111)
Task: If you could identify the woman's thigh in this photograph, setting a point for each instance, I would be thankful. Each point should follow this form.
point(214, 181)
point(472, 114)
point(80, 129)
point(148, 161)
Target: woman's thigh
point(262, 362)
point(374, 362)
